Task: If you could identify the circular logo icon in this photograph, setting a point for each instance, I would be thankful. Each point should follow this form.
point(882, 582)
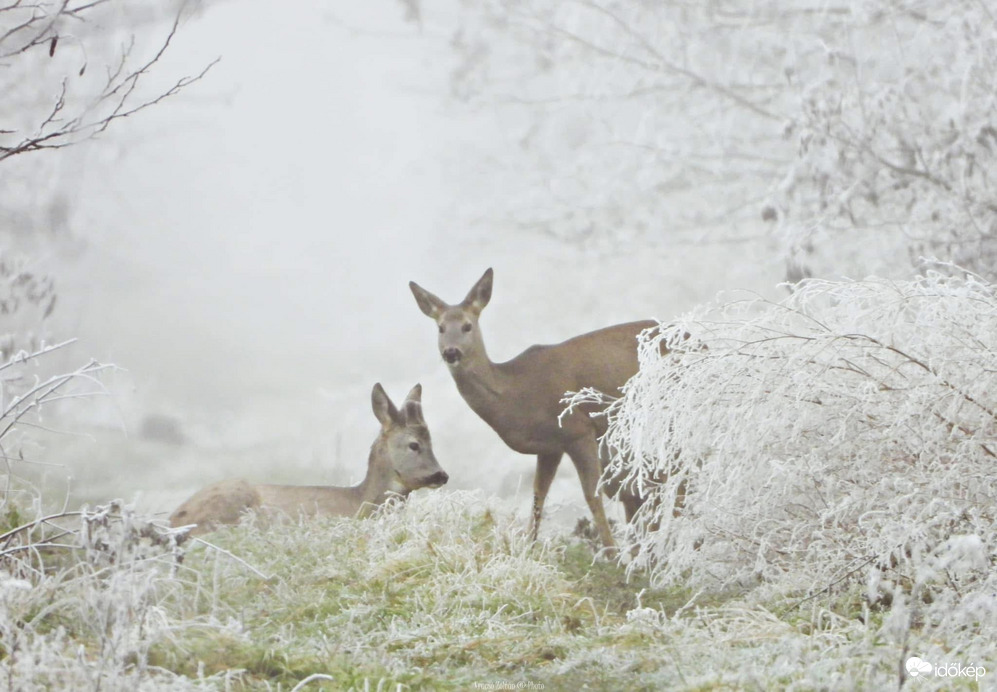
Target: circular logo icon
point(915, 667)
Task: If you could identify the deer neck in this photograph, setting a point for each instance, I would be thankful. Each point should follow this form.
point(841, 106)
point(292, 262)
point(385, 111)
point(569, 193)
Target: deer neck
point(481, 382)
point(379, 483)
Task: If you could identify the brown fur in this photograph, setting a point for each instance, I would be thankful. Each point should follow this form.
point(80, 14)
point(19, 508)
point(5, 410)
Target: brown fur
point(393, 467)
point(521, 398)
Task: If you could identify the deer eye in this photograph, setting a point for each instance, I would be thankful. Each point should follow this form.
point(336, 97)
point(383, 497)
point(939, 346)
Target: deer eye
point(414, 446)
point(466, 327)
point(441, 329)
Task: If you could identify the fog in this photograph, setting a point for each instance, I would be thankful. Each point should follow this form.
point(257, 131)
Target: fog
point(259, 218)
point(246, 248)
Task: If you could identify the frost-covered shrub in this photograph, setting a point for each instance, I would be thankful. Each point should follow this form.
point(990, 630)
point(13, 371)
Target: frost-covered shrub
point(81, 592)
point(83, 599)
point(32, 392)
point(844, 436)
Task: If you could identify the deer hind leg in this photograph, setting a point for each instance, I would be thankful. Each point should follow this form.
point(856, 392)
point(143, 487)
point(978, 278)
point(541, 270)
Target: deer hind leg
point(547, 464)
point(615, 486)
point(585, 455)
point(631, 503)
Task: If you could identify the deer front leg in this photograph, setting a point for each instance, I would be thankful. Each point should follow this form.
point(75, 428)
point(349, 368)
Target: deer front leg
point(547, 464)
point(585, 455)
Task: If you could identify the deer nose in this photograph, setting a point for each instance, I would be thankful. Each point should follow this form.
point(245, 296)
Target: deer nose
point(437, 479)
point(451, 354)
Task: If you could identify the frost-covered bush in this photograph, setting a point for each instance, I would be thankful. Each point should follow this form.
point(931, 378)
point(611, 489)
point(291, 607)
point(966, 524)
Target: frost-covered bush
point(82, 601)
point(33, 391)
point(81, 592)
point(844, 436)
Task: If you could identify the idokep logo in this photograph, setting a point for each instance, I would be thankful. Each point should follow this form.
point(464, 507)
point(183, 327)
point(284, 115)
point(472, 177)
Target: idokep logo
point(919, 668)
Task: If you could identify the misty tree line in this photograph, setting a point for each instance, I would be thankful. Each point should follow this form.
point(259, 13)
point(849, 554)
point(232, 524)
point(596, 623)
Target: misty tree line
point(860, 134)
point(68, 72)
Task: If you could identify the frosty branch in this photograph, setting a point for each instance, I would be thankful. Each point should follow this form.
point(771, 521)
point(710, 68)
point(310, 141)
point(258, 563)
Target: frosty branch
point(58, 111)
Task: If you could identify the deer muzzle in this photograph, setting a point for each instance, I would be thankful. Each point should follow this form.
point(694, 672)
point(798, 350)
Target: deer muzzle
point(438, 479)
point(451, 355)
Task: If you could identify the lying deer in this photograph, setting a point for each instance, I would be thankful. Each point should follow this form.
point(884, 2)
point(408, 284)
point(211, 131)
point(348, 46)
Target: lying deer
point(521, 399)
point(401, 460)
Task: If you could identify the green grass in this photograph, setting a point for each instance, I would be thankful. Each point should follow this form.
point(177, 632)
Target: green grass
point(432, 606)
point(448, 591)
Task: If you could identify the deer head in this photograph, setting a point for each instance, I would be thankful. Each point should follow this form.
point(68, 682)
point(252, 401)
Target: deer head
point(460, 339)
point(403, 452)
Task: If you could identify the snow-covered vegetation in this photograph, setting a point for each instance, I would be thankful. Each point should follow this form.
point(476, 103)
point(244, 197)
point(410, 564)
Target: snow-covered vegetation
point(837, 520)
point(82, 599)
point(439, 594)
point(840, 441)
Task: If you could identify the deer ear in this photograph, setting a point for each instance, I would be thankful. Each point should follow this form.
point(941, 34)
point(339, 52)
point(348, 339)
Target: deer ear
point(414, 394)
point(384, 410)
point(430, 305)
point(413, 406)
point(479, 295)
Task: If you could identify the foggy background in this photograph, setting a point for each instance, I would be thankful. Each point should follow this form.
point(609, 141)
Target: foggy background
point(242, 252)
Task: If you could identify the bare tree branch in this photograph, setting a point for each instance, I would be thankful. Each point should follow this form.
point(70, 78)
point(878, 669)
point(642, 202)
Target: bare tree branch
point(72, 116)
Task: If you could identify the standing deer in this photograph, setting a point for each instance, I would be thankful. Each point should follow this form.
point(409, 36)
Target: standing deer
point(521, 399)
point(401, 460)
